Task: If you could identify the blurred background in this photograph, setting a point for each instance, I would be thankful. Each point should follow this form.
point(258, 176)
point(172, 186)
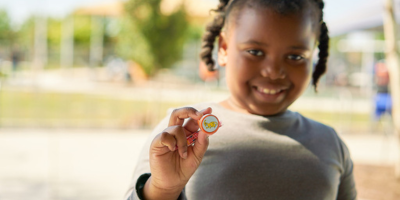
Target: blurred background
point(82, 84)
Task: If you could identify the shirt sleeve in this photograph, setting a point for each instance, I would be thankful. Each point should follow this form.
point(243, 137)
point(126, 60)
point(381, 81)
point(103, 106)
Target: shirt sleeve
point(347, 188)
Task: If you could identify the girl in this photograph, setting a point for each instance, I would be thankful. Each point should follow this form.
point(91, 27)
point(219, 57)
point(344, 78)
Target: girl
point(263, 151)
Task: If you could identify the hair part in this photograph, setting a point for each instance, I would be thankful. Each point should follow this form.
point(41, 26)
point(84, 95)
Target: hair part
point(227, 8)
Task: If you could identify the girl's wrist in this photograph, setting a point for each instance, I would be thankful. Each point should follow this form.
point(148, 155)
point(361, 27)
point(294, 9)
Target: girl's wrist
point(151, 191)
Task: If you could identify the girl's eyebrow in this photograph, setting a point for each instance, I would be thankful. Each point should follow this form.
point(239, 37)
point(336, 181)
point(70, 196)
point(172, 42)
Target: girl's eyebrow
point(300, 47)
point(255, 43)
point(295, 47)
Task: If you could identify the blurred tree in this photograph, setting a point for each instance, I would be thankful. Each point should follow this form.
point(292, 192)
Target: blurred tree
point(82, 33)
point(132, 45)
point(54, 32)
point(53, 42)
point(112, 29)
point(26, 35)
point(151, 38)
point(26, 32)
point(196, 32)
point(6, 32)
point(82, 30)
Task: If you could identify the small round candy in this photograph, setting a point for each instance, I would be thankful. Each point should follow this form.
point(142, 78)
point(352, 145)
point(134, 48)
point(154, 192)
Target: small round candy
point(209, 124)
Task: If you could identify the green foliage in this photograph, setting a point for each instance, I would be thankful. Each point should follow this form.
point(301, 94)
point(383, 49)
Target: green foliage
point(54, 32)
point(195, 32)
point(150, 38)
point(82, 30)
point(133, 45)
point(25, 38)
point(6, 33)
point(2, 75)
point(26, 33)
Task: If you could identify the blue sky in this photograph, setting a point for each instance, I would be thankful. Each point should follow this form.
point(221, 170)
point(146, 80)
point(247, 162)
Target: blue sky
point(21, 9)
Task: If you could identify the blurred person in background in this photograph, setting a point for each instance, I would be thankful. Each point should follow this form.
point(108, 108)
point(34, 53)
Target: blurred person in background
point(16, 56)
point(117, 69)
point(382, 99)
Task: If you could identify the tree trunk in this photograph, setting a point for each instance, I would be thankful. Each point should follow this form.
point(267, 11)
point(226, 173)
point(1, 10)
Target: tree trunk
point(392, 61)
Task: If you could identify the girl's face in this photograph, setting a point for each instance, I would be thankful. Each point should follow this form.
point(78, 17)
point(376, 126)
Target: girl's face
point(267, 58)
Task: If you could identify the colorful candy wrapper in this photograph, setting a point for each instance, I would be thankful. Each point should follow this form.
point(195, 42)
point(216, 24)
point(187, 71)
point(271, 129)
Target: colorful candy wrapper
point(209, 124)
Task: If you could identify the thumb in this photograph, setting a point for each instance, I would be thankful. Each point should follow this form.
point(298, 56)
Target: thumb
point(201, 145)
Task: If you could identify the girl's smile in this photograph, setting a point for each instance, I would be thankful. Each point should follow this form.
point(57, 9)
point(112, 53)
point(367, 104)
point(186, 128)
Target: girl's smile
point(270, 94)
point(268, 58)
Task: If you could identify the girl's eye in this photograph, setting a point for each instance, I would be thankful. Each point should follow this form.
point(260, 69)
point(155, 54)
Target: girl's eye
point(256, 52)
point(295, 57)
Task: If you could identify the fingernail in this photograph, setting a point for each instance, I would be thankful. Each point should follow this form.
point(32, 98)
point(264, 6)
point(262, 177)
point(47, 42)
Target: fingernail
point(198, 113)
point(185, 155)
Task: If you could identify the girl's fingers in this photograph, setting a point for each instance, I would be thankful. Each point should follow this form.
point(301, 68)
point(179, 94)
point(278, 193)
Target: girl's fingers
point(192, 125)
point(168, 140)
point(200, 148)
point(174, 136)
point(179, 115)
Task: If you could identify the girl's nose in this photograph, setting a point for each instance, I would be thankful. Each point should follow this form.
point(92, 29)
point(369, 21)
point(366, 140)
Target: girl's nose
point(273, 71)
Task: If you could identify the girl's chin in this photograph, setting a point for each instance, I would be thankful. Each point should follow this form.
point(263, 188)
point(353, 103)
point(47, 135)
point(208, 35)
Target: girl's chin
point(269, 113)
point(266, 110)
point(253, 108)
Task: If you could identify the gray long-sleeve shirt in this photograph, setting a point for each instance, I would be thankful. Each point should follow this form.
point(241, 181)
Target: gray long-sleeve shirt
point(254, 157)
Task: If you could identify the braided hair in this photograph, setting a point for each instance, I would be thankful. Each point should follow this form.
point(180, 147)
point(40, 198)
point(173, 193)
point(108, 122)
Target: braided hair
point(212, 31)
point(225, 7)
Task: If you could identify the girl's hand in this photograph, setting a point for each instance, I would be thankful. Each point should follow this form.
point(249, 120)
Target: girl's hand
point(171, 167)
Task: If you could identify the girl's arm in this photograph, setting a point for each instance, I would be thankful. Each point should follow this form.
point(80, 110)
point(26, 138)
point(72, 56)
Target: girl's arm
point(169, 160)
point(152, 192)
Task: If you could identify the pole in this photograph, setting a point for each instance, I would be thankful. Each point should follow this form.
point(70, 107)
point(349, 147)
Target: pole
point(96, 41)
point(67, 43)
point(392, 61)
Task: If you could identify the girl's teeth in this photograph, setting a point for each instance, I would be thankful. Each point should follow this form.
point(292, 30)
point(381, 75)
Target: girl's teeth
point(268, 91)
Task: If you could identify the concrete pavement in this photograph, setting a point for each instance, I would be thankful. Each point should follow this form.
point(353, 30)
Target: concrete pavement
point(63, 164)
point(97, 164)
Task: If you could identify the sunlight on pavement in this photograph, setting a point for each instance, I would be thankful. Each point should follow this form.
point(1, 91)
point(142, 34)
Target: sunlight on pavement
point(63, 164)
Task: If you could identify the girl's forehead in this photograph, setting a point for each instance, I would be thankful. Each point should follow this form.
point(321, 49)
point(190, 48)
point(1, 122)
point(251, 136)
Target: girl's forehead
point(256, 18)
point(264, 23)
point(262, 14)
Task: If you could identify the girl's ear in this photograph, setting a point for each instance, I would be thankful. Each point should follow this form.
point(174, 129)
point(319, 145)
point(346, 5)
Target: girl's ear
point(222, 49)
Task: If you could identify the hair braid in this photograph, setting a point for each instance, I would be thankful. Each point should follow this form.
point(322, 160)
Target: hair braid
point(213, 29)
point(323, 47)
